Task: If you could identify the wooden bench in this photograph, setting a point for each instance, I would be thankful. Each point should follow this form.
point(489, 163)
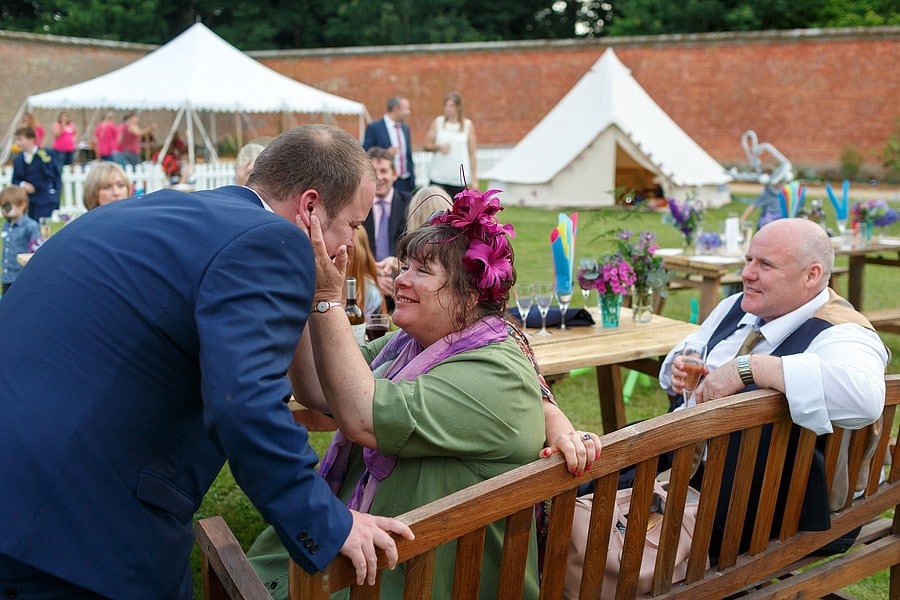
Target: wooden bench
point(769, 568)
point(885, 321)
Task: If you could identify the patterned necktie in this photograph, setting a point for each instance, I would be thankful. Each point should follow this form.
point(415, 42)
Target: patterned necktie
point(401, 151)
point(382, 237)
point(753, 338)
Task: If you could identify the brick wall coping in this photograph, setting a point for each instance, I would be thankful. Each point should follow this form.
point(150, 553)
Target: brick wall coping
point(717, 38)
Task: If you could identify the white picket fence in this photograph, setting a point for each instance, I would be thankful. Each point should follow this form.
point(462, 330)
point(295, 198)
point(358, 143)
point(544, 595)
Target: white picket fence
point(149, 177)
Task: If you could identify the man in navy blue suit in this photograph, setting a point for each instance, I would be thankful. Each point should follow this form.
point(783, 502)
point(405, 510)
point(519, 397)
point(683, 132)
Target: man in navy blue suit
point(35, 171)
point(147, 342)
point(392, 132)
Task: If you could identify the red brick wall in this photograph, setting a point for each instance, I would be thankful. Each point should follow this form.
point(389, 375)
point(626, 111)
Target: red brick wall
point(808, 92)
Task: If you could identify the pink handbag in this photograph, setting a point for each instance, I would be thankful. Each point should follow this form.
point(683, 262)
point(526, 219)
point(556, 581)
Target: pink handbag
point(578, 541)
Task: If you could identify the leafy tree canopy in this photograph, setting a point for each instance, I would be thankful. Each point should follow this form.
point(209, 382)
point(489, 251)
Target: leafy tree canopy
point(276, 24)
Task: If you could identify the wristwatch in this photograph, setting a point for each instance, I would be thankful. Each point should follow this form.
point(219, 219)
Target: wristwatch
point(744, 370)
point(324, 306)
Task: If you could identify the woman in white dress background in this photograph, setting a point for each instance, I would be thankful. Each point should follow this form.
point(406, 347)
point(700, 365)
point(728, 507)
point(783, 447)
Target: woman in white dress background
point(452, 139)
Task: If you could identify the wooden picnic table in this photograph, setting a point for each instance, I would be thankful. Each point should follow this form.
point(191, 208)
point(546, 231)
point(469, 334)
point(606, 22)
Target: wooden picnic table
point(707, 272)
point(631, 345)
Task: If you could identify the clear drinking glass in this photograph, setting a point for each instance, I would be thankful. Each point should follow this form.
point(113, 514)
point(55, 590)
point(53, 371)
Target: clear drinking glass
point(524, 301)
point(544, 298)
point(694, 358)
point(564, 295)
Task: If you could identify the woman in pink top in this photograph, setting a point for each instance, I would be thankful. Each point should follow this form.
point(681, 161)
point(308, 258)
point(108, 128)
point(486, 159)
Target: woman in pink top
point(28, 120)
point(130, 139)
point(64, 134)
point(106, 137)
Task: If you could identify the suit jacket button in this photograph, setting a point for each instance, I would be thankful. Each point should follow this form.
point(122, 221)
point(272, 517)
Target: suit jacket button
point(314, 548)
point(302, 536)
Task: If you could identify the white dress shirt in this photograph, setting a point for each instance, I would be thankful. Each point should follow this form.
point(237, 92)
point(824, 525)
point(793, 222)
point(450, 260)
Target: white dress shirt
point(838, 379)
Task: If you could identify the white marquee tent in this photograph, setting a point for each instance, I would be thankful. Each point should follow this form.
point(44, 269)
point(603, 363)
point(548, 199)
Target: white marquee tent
point(196, 72)
point(606, 133)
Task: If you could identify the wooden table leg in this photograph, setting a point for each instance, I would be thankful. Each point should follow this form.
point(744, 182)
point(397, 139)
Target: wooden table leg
point(612, 406)
point(709, 295)
point(855, 273)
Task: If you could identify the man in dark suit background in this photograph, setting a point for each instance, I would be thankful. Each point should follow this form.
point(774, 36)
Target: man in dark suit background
point(392, 132)
point(387, 219)
point(146, 343)
point(35, 171)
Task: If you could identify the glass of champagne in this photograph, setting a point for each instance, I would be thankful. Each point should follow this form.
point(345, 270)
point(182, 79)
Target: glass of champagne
point(544, 298)
point(693, 358)
point(564, 295)
point(46, 228)
point(524, 301)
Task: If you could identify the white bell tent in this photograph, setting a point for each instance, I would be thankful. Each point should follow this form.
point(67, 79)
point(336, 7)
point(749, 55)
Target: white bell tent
point(604, 137)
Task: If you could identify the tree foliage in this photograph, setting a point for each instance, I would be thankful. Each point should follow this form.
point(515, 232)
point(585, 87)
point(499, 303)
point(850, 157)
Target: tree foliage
point(277, 24)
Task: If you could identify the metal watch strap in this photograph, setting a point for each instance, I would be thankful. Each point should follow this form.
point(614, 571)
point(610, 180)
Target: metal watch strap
point(744, 370)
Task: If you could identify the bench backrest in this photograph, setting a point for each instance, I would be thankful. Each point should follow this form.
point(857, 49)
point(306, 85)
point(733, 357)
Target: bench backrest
point(512, 496)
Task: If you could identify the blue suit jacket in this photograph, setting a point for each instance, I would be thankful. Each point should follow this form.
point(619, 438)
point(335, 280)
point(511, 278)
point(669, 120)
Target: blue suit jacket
point(147, 342)
point(44, 175)
point(377, 135)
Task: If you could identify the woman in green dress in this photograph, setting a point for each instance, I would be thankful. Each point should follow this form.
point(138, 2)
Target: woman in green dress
point(447, 401)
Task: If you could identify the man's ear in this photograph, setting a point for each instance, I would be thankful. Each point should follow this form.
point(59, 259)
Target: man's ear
point(307, 203)
point(815, 274)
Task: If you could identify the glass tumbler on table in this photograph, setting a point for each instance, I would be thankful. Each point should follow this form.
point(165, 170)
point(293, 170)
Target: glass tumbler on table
point(693, 358)
point(377, 325)
point(544, 298)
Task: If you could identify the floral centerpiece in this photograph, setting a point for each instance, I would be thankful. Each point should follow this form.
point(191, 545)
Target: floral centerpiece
point(687, 217)
point(709, 241)
point(649, 274)
point(612, 277)
point(877, 212)
point(872, 213)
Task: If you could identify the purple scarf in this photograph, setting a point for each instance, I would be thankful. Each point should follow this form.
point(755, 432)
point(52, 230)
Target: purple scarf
point(405, 360)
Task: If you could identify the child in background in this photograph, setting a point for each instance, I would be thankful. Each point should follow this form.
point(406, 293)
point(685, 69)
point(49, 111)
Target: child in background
point(20, 233)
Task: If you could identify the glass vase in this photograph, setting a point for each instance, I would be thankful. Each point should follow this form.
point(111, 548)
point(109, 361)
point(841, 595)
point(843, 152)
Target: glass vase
point(641, 304)
point(610, 306)
point(690, 242)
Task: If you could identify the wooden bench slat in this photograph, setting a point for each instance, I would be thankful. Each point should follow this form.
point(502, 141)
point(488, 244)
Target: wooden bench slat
point(553, 578)
point(803, 456)
point(515, 552)
point(771, 484)
point(598, 536)
point(740, 496)
point(420, 577)
point(469, 560)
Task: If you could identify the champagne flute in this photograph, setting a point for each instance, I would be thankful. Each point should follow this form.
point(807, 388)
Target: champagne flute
point(564, 295)
point(524, 301)
point(544, 298)
point(693, 358)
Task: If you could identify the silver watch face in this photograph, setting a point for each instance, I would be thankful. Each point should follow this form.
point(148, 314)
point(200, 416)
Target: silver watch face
point(324, 306)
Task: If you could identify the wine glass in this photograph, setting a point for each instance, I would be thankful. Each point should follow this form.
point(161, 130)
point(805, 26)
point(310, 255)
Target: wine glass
point(564, 295)
point(524, 301)
point(544, 298)
point(694, 357)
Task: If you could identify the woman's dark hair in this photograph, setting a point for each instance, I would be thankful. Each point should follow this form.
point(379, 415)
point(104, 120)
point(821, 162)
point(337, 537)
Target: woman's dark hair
point(447, 245)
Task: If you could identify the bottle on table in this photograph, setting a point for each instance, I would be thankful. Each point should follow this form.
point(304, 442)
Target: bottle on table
point(354, 312)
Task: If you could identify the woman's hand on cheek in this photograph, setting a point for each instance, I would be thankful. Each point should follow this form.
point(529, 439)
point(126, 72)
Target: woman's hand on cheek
point(329, 272)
